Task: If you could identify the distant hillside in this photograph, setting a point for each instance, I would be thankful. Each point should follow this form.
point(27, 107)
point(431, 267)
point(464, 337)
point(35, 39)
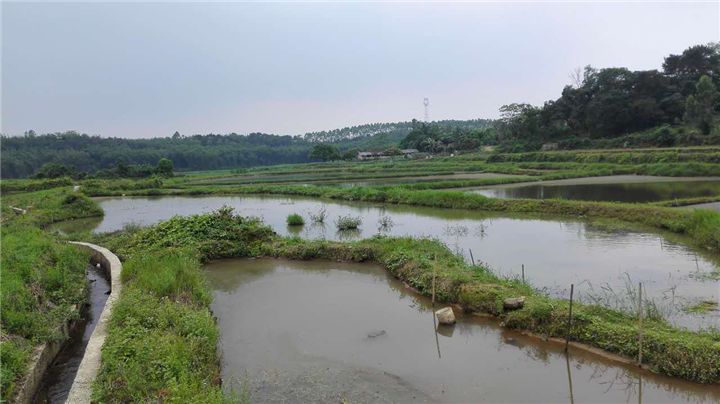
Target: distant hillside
point(393, 130)
point(22, 156)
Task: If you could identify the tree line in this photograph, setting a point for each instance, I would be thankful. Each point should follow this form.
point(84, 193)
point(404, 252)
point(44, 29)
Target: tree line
point(612, 102)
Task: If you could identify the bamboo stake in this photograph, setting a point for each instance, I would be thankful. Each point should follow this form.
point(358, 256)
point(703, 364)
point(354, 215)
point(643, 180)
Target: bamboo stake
point(437, 340)
point(640, 324)
point(472, 259)
point(569, 325)
point(570, 383)
point(523, 273)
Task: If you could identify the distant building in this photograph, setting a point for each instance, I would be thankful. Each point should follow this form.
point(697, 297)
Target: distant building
point(364, 155)
point(549, 146)
point(367, 155)
point(409, 152)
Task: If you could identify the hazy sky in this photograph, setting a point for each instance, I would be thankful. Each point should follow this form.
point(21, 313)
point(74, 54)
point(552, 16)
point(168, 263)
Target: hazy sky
point(149, 69)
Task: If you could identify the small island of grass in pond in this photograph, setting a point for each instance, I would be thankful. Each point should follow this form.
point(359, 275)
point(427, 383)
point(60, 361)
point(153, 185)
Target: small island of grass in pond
point(295, 220)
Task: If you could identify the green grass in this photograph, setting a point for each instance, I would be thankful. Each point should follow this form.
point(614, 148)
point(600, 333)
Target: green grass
point(48, 206)
point(42, 279)
point(162, 342)
point(295, 220)
point(162, 338)
point(42, 284)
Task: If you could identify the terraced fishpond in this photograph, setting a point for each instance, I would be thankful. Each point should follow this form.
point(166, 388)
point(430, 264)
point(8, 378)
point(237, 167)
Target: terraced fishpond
point(319, 331)
point(617, 188)
point(605, 263)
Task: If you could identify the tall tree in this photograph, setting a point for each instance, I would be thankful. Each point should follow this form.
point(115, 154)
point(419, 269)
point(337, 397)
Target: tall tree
point(325, 152)
point(700, 109)
point(165, 167)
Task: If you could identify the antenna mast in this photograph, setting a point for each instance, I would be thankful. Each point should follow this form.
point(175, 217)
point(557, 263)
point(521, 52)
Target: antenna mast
point(426, 102)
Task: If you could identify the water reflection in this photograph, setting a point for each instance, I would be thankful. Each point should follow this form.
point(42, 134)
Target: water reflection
point(618, 192)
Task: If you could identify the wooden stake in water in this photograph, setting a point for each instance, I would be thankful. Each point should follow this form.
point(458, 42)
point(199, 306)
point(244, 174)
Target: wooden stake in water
point(437, 340)
point(523, 273)
point(472, 259)
point(569, 325)
point(640, 324)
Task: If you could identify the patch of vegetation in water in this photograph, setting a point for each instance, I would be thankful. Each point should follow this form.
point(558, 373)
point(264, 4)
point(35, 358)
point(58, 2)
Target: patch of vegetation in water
point(703, 307)
point(295, 220)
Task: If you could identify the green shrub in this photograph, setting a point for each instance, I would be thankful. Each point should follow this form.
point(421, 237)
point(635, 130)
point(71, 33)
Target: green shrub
point(295, 220)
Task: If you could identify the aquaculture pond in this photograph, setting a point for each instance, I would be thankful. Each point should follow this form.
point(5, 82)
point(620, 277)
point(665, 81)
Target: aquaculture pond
point(602, 263)
point(621, 188)
point(318, 331)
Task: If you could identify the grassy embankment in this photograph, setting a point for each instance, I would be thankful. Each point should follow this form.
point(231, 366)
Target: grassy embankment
point(561, 164)
point(174, 284)
point(42, 279)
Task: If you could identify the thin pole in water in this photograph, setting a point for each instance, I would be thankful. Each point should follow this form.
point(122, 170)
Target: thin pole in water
point(433, 283)
point(567, 366)
point(569, 325)
point(437, 340)
point(523, 273)
point(472, 259)
point(640, 324)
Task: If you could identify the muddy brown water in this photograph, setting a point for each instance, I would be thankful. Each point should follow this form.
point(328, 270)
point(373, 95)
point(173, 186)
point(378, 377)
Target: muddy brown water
point(318, 331)
point(59, 377)
point(620, 188)
point(601, 262)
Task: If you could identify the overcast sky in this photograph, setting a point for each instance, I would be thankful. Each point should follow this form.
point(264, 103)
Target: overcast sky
point(149, 69)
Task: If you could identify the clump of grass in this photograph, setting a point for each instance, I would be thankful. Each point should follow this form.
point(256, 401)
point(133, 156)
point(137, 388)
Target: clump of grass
point(319, 216)
point(385, 223)
point(702, 307)
point(347, 222)
point(294, 219)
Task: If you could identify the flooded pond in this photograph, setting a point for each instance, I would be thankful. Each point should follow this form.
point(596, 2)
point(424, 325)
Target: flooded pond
point(60, 375)
point(318, 331)
point(555, 252)
point(621, 188)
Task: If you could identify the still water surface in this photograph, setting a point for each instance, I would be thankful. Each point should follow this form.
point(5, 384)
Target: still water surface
point(555, 252)
point(318, 331)
point(614, 188)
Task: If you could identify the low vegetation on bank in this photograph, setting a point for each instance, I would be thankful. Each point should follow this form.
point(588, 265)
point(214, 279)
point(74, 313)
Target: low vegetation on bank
point(163, 316)
point(42, 279)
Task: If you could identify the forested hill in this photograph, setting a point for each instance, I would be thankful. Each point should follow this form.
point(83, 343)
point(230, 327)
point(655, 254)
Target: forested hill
point(393, 130)
point(22, 156)
point(606, 104)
